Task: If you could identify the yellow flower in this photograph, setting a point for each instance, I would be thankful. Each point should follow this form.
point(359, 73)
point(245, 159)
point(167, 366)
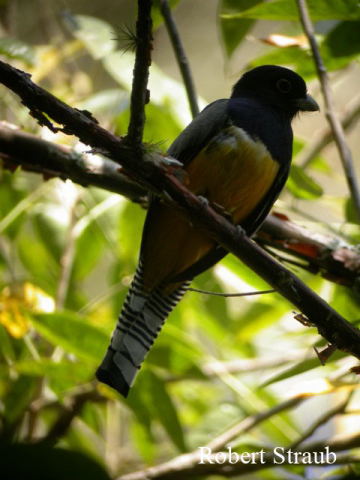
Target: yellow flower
point(16, 300)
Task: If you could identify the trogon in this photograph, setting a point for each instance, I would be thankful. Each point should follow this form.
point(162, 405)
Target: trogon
point(237, 154)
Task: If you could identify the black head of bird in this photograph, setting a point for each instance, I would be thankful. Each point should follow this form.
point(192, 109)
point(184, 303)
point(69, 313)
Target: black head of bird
point(278, 87)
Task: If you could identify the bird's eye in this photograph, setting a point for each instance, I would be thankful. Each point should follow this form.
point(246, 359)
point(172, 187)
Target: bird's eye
point(283, 85)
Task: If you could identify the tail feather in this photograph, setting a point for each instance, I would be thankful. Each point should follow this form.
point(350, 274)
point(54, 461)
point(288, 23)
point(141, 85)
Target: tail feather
point(141, 319)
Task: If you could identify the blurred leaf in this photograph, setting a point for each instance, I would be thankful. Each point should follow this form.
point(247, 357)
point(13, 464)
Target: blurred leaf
point(73, 334)
point(110, 102)
point(156, 15)
point(89, 248)
point(301, 185)
point(42, 269)
point(39, 462)
point(351, 213)
point(245, 273)
point(233, 30)
point(62, 375)
point(167, 414)
point(50, 232)
point(319, 10)
point(14, 48)
point(261, 315)
point(7, 352)
point(97, 35)
point(344, 39)
point(11, 196)
point(131, 222)
point(144, 443)
point(161, 128)
point(18, 397)
point(335, 50)
point(347, 303)
point(301, 367)
point(164, 90)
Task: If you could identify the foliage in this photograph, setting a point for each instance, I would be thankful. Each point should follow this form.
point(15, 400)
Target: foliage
point(67, 254)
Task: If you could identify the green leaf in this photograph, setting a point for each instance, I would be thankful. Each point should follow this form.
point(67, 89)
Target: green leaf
point(165, 411)
point(351, 213)
point(41, 266)
point(98, 36)
point(18, 397)
point(108, 102)
point(73, 334)
point(301, 367)
point(131, 222)
point(301, 185)
point(89, 248)
point(14, 48)
point(344, 39)
point(61, 375)
point(233, 30)
point(287, 10)
point(156, 14)
point(40, 462)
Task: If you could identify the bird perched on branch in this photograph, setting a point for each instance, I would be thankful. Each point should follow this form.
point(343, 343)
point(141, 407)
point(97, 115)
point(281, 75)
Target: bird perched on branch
point(237, 154)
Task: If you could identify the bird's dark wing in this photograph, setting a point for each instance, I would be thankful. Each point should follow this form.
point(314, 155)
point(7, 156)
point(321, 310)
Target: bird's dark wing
point(198, 133)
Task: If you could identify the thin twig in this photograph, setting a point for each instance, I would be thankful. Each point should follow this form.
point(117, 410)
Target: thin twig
point(336, 127)
point(139, 93)
point(181, 57)
point(325, 136)
point(219, 294)
point(322, 420)
point(68, 411)
point(188, 465)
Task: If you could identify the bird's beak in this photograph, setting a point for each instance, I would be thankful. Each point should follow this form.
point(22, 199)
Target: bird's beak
point(307, 104)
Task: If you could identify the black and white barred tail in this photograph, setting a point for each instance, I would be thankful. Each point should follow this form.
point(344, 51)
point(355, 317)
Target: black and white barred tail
point(140, 321)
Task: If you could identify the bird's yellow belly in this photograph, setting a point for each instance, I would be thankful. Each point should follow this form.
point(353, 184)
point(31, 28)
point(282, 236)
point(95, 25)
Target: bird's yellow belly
point(232, 171)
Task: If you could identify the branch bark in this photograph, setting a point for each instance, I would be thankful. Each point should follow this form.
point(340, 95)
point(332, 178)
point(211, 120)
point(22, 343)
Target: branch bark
point(335, 125)
point(336, 260)
point(154, 172)
point(140, 95)
point(180, 56)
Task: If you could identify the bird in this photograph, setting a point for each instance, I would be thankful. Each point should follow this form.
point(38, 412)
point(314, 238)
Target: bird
point(237, 154)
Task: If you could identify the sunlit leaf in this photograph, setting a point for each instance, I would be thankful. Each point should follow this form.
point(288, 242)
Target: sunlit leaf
point(73, 334)
point(14, 48)
point(166, 412)
point(156, 14)
point(301, 367)
point(98, 36)
point(286, 10)
point(18, 397)
point(301, 185)
point(233, 30)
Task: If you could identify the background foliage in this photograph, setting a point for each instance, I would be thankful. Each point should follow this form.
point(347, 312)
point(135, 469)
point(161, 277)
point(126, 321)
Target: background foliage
point(67, 254)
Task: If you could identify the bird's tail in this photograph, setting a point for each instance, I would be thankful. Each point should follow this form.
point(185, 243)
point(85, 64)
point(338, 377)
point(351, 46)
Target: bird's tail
point(140, 321)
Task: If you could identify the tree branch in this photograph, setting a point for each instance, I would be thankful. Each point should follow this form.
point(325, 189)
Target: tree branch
point(335, 259)
point(153, 171)
point(36, 155)
point(69, 410)
point(188, 465)
point(140, 94)
point(180, 56)
point(335, 125)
